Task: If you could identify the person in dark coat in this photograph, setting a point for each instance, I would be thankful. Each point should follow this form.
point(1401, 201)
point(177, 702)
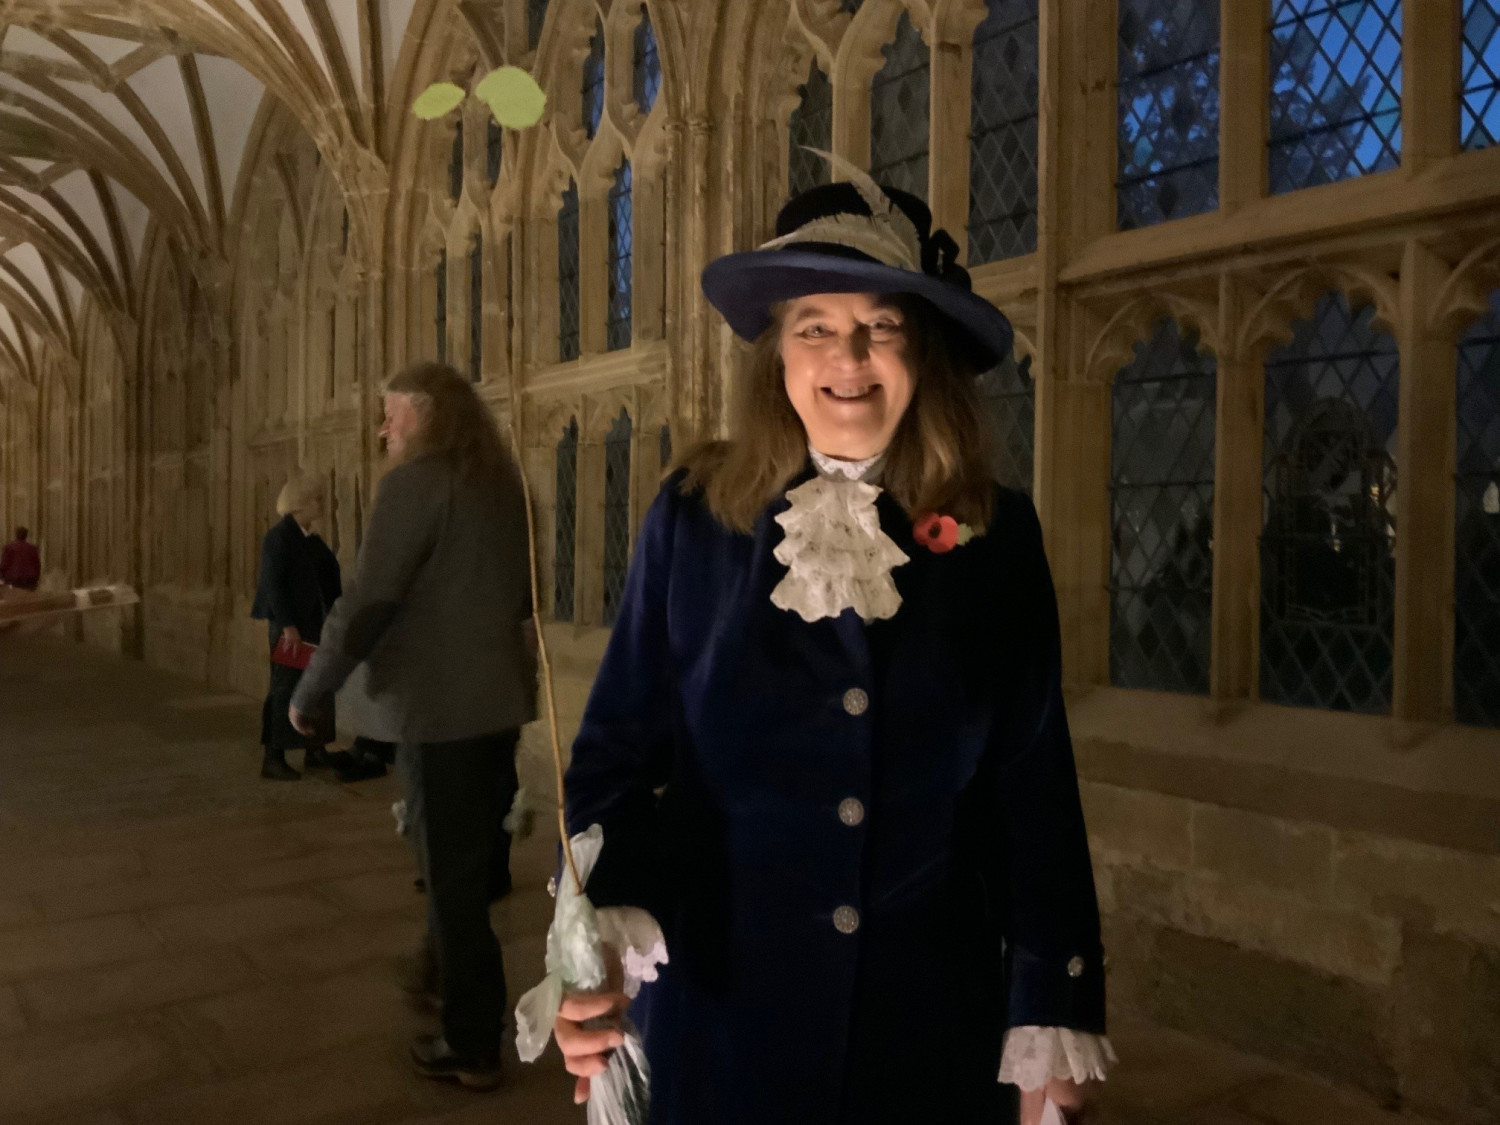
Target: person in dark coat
point(299, 582)
point(21, 562)
point(827, 744)
point(439, 612)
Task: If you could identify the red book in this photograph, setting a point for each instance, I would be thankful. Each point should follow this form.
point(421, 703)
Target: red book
point(292, 654)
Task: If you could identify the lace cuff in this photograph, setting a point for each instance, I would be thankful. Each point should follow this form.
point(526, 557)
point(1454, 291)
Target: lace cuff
point(1033, 1056)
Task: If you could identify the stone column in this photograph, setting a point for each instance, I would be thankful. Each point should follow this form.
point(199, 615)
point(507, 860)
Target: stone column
point(1244, 80)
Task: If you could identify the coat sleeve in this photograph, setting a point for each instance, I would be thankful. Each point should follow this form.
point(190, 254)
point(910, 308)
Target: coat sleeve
point(623, 753)
point(1054, 955)
point(276, 605)
point(401, 536)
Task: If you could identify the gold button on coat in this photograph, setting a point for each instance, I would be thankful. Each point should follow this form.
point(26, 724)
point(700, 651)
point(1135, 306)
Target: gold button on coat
point(846, 919)
point(851, 811)
point(856, 702)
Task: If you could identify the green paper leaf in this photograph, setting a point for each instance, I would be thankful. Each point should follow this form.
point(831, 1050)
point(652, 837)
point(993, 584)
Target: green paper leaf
point(437, 100)
point(513, 97)
point(965, 533)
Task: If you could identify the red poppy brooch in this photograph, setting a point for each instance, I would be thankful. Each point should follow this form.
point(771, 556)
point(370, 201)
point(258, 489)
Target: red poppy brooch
point(940, 534)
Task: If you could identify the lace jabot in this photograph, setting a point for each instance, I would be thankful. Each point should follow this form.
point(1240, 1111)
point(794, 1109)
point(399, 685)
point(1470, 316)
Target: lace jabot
point(836, 554)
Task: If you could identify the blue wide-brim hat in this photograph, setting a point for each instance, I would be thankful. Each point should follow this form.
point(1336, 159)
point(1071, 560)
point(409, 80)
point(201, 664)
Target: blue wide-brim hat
point(857, 237)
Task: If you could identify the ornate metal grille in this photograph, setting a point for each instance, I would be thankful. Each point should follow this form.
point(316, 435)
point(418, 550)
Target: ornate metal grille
point(1009, 396)
point(567, 275)
point(476, 310)
point(1168, 94)
point(1476, 634)
point(456, 164)
point(494, 150)
point(593, 81)
point(666, 445)
point(619, 259)
point(1162, 492)
point(1002, 133)
point(616, 514)
point(1335, 90)
point(440, 306)
point(1480, 124)
point(567, 517)
point(898, 112)
point(810, 126)
point(536, 15)
point(647, 64)
point(1329, 540)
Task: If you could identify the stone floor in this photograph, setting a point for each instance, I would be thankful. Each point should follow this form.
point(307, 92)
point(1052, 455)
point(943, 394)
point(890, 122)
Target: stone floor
point(181, 942)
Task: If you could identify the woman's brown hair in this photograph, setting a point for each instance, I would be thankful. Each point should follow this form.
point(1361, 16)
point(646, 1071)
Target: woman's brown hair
point(456, 424)
point(938, 460)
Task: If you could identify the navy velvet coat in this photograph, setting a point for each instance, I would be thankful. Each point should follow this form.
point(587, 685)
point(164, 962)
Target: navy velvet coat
point(720, 749)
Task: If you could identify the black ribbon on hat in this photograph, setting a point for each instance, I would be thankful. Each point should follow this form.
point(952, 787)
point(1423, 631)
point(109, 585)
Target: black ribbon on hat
point(940, 259)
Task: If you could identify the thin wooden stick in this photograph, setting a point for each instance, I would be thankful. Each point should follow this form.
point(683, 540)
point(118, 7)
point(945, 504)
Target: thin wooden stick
point(546, 663)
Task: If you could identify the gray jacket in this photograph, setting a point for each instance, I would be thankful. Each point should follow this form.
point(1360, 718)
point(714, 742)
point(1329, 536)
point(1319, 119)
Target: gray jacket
point(440, 593)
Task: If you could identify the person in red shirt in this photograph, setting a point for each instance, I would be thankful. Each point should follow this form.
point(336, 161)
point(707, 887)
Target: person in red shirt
point(21, 562)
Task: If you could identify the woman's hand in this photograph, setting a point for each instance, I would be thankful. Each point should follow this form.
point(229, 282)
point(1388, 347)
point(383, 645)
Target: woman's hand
point(291, 636)
point(1075, 1101)
point(587, 1029)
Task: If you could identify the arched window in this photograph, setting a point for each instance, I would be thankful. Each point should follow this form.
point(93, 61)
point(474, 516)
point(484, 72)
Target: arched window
point(494, 150)
point(616, 514)
point(536, 15)
point(567, 516)
point(1168, 90)
point(647, 68)
point(1162, 495)
point(456, 163)
point(1008, 394)
point(593, 81)
point(1002, 133)
point(1476, 592)
point(1329, 541)
point(567, 275)
point(440, 306)
point(898, 112)
point(1335, 90)
point(476, 309)
point(619, 259)
point(810, 126)
point(1480, 124)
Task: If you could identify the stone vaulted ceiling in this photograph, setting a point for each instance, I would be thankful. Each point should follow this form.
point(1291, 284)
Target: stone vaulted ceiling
point(118, 113)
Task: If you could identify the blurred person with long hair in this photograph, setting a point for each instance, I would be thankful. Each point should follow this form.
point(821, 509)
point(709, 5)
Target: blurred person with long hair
point(439, 613)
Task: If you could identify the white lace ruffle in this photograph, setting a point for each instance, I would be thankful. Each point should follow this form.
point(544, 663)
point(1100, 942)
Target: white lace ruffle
point(836, 555)
point(639, 939)
point(1033, 1056)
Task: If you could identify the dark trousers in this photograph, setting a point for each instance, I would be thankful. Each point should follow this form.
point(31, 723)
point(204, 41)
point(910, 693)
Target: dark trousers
point(466, 788)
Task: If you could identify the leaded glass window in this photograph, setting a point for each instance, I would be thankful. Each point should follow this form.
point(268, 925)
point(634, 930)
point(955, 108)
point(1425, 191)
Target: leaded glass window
point(1168, 92)
point(1008, 394)
point(593, 81)
point(476, 310)
point(536, 15)
point(567, 275)
point(647, 68)
point(616, 514)
point(1476, 591)
point(898, 112)
point(1335, 90)
point(1329, 540)
point(619, 259)
point(810, 126)
point(440, 309)
point(456, 164)
point(1480, 124)
point(1002, 133)
point(494, 150)
point(666, 445)
point(567, 519)
point(1162, 499)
